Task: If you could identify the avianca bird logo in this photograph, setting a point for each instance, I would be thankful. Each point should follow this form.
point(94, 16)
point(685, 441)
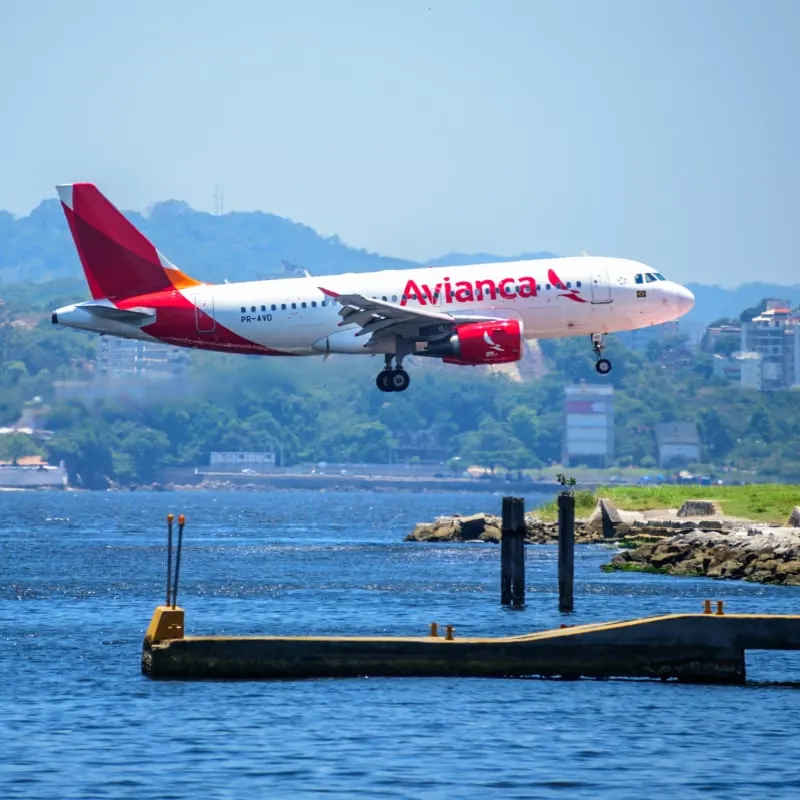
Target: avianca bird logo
point(494, 348)
point(571, 294)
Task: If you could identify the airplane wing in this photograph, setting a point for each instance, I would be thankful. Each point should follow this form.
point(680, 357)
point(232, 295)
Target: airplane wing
point(382, 319)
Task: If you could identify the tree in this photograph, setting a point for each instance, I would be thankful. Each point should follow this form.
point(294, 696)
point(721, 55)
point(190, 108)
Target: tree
point(14, 446)
point(87, 452)
point(492, 445)
point(145, 448)
point(524, 424)
point(761, 425)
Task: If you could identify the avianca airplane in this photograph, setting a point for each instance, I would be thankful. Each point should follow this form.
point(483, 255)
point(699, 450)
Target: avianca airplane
point(469, 315)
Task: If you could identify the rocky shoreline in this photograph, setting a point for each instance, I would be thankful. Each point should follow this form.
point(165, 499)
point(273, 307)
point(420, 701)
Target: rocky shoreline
point(761, 555)
point(486, 528)
point(696, 540)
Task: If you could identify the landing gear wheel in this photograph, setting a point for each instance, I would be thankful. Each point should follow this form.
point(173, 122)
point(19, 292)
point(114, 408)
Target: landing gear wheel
point(399, 380)
point(384, 381)
point(603, 366)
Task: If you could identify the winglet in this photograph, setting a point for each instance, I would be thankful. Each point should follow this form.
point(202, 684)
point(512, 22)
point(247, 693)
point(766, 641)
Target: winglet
point(329, 293)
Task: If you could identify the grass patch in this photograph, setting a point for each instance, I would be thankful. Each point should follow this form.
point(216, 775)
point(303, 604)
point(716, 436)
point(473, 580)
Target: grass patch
point(585, 502)
point(765, 502)
point(762, 502)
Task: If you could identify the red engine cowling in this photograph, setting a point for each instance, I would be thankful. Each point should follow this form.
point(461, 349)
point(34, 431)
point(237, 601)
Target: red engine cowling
point(482, 343)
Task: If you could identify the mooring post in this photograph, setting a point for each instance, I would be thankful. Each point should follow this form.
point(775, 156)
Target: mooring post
point(518, 552)
point(170, 520)
point(506, 535)
point(566, 550)
point(181, 523)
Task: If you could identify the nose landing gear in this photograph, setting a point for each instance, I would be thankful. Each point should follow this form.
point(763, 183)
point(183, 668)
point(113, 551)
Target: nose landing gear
point(603, 365)
point(393, 379)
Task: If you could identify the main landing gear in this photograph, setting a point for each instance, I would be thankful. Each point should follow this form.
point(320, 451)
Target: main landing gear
point(603, 365)
point(392, 379)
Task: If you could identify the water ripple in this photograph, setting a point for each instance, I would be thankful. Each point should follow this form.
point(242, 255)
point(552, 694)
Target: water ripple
point(80, 574)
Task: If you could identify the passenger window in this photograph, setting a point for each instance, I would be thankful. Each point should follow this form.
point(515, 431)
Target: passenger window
point(244, 310)
point(324, 302)
point(638, 278)
point(569, 284)
point(252, 309)
point(283, 306)
point(538, 287)
point(313, 304)
point(273, 307)
point(650, 277)
point(404, 298)
point(394, 298)
point(547, 287)
point(578, 284)
point(302, 305)
point(294, 305)
point(263, 308)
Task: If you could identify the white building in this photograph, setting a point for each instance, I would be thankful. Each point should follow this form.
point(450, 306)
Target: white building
point(746, 369)
point(116, 356)
point(232, 461)
point(678, 444)
point(588, 425)
point(773, 334)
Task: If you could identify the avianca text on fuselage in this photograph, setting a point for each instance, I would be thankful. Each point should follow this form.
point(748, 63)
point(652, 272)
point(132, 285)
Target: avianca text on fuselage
point(484, 289)
point(470, 315)
point(468, 291)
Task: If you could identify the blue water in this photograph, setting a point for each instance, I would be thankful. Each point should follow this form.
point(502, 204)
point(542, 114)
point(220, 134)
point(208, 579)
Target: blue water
point(81, 573)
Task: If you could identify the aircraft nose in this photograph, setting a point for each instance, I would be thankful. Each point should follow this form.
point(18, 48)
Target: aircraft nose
point(682, 299)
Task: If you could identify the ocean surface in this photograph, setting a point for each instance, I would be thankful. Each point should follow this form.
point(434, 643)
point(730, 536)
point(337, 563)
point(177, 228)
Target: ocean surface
point(80, 574)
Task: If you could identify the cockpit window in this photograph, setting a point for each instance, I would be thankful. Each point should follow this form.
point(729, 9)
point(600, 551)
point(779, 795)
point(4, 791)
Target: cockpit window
point(650, 277)
point(638, 278)
point(660, 276)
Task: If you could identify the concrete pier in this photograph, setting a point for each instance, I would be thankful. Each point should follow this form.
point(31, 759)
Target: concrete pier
point(701, 648)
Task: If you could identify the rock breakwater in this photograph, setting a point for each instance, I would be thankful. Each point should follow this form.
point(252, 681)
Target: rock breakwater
point(758, 554)
point(486, 528)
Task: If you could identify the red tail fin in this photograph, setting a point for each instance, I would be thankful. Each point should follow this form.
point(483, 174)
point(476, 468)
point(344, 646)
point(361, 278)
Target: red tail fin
point(117, 259)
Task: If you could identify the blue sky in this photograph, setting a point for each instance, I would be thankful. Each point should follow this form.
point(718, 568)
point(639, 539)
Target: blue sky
point(664, 131)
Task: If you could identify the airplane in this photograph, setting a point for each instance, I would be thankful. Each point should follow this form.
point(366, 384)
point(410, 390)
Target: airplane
point(467, 315)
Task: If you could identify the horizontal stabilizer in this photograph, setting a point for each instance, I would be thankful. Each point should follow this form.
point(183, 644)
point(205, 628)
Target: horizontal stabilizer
point(132, 316)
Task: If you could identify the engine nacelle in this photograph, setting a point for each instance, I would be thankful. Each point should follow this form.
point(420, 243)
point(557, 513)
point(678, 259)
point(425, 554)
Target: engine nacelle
point(476, 343)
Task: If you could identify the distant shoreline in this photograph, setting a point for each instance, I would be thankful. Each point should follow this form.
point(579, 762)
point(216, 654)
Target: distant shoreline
point(227, 481)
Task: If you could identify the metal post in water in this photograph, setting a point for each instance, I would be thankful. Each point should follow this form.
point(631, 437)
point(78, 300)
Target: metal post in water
point(506, 534)
point(170, 520)
point(518, 552)
point(566, 550)
point(181, 523)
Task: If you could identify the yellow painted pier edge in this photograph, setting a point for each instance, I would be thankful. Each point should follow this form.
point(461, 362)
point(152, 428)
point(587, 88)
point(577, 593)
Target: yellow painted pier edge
point(702, 648)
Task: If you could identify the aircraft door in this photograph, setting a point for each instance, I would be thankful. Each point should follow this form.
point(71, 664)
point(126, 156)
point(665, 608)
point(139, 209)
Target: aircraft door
point(204, 313)
point(601, 288)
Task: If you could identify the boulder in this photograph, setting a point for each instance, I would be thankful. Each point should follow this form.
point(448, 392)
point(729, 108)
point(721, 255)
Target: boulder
point(700, 508)
point(442, 530)
point(787, 568)
point(690, 567)
point(474, 526)
point(605, 521)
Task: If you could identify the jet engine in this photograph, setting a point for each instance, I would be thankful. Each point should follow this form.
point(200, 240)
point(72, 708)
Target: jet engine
point(481, 343)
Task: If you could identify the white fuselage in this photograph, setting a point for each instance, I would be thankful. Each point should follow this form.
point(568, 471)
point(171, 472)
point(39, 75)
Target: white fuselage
point(294, 316)
point(601, 296)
